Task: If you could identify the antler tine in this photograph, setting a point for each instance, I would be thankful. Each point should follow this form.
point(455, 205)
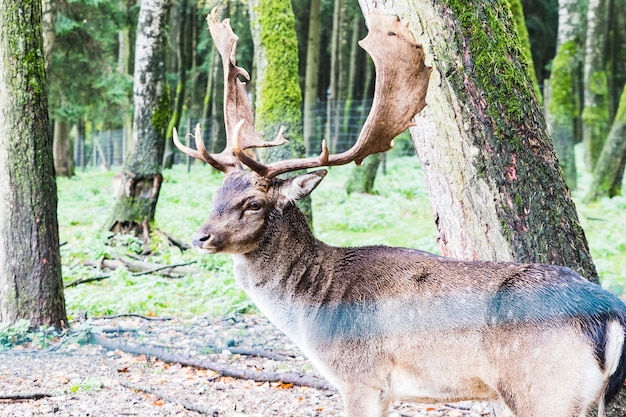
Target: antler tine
point(400, 93)
point(280, 167)
point(221, 161)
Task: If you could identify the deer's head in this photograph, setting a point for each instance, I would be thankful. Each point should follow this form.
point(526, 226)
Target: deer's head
point(247, 197)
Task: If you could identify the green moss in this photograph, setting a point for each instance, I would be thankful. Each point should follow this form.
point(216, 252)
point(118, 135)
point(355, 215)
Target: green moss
point(280, 90)
point(161, 114)
point(496, 58)
point(562, 104)
point(621, 110)
point(518, 14)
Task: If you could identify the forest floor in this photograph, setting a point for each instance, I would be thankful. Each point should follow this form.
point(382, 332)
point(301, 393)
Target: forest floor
point(76, 376)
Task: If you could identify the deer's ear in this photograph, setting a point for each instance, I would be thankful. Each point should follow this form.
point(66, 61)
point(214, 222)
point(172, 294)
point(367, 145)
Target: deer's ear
point(295, 188)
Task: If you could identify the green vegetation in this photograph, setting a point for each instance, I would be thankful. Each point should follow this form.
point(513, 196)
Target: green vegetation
point(397, 214)
point(21, 332)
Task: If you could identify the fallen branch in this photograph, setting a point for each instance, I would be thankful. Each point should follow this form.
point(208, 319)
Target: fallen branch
point(86, 280)
point(253, 352)
point(222, 368)
point(180, 245)
point(117, 316)
point(22, 397)
point(137, 268)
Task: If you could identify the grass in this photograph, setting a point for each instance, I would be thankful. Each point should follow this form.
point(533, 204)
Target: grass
point(397, 214)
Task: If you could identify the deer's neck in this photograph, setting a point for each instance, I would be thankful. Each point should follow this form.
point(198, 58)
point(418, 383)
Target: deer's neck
point(287, 272)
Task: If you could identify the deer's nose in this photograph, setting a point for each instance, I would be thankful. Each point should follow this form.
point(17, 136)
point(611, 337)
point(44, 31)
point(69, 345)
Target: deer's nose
point(198, 240)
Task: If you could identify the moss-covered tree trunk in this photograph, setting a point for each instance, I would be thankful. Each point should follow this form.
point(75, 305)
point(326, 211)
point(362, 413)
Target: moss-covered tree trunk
point(495, 184)
point(610, 167)
point(31, 285)
point(278, 96)
point(596, 104)
point(141, 174)
point(564, 104)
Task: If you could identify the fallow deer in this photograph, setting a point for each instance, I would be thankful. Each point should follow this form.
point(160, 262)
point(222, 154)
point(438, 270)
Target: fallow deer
point(383, 323)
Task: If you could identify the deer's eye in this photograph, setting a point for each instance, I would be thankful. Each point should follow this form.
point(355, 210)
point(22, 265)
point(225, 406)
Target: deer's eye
point(254, 206)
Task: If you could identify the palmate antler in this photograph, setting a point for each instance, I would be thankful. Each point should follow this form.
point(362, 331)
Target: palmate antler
point(400, 92)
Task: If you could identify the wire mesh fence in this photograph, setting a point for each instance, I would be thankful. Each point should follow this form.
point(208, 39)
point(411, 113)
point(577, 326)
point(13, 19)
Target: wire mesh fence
point(339, 122)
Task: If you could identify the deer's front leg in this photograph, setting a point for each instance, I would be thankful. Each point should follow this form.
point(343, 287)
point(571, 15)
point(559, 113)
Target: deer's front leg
point(363, 401)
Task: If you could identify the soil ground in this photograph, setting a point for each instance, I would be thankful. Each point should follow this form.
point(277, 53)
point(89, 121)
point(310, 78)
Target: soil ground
point(73, 377)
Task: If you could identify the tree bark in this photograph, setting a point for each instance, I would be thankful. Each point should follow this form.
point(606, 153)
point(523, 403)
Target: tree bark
point(31, 285)
point(596, 108)
point(564, 105)
point(141, 174)
point(495, 186)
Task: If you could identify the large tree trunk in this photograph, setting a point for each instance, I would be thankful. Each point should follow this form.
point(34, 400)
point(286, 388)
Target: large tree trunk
point(141, 173)
point(31, 286)
point(563, 105)
point(496, 188)
point(596, 109)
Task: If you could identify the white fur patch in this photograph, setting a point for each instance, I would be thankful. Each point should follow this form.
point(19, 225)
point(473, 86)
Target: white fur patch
point(614, 345)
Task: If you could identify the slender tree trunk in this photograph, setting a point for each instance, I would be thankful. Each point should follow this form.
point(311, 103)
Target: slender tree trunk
point(339, 74)
point(123, 66)
point(63, 149)
point(596, 109)
point(141, 173)
point(49, 20)
point(610, 166)
point(311, 77)
point(207, 101)
point(31, 285)
point(496, 187)
point(182, 63)
point(218, 134)
point(362, 177)
point(563, 106)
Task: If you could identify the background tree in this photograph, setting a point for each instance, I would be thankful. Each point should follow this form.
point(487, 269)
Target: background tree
point(181, 20)
point(611, 160)
point(311, 76)
point(278, 97)
point(30, 263)
point(596, 107)
point(564, 104)
point(496, 188)
point(141, 173)
point(86, 43)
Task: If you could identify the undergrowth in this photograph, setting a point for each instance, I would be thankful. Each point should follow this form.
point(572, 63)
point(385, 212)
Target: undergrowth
point(397, 214)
